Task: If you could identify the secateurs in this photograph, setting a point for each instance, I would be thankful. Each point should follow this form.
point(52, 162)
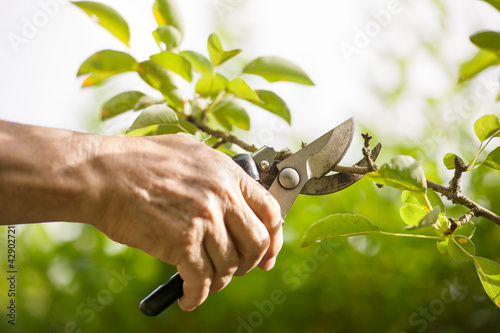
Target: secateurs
point(304, 172)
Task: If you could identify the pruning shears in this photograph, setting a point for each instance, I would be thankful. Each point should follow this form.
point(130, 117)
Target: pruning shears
point(304, 172)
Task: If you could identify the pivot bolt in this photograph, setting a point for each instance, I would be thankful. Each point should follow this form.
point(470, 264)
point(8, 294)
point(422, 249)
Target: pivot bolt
point(264, 165)
point(289, 178)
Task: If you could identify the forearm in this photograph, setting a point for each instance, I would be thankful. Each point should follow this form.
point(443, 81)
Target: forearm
point(46, 174)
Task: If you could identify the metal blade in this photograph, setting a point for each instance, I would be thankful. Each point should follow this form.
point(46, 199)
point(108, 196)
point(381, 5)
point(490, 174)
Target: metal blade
point(338, 181)
point(333, 151)
point(314, 160)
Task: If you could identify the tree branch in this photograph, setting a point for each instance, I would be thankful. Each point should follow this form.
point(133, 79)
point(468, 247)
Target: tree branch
point(352, 169)
point(452, 192)
point(459, 198)
point(224, 136)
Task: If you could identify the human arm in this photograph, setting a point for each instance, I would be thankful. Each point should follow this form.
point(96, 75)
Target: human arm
point(170, 196)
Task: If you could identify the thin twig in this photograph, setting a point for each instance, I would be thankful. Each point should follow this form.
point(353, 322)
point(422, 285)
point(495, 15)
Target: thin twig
point(367, 152)
point(455, 224)
point(227, 137)
point(352, 169)
point(219, 143)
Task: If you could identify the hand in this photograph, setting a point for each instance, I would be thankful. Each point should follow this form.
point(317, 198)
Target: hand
point(190, 206)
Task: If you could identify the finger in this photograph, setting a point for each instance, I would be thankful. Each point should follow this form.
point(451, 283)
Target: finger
point(268, 211)
point(249, 235)
point(223, 255)
point(269, 259)
point(197, 274)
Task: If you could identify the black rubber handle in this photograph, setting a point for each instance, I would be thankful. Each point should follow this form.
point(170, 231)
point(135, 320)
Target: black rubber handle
point(163, 296)
point(166, 294)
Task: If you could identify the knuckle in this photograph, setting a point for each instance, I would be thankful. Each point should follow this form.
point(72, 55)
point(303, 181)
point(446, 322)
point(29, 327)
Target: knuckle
point(256, 247)
point(220, 283)
point(273, 209)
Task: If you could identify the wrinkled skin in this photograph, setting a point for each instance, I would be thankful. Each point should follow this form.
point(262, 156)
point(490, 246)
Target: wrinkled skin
point(170, 196)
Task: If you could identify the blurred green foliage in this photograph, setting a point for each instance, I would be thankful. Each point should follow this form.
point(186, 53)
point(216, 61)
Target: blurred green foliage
point(372, 284)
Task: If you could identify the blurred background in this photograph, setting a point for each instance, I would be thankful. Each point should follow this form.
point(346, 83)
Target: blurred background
point(395, 73)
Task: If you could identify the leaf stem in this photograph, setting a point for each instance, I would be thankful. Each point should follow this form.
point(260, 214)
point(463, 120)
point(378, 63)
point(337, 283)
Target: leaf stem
point(427, 200)
point(480, 149)
point(410, 235)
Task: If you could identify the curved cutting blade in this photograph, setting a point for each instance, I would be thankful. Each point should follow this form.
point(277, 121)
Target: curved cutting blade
point(313, 161)
point(338, 181)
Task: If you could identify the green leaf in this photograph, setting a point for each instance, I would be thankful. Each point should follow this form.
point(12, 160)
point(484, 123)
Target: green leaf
point(461, 248)
point(273, 103)
point(107, 17)
point(166, 12)
point(428, 221)
point(154, 74)
point(168, 129)
point(146, 101)
point(489, 274)
point(162, 80)
point(200, 63)
point(217, 54)
point(465, 230)
point(449, 161)
point(493, 159)
point(172, 95)
point(105, 64)
point(168, 35)
point(338, 225)
point(174, 62)
point(120, 103)
point(182, 127)
point(443, 246)
point(416, 206)
point(402, 172)
point(155, 115)
point(145, 131)
point(228, 112)
point(211, 85)
point(277, 69)
point(488, 40)
point(218, 123)
point(494, 3)
point(240, 88)
point(486, 126)
point(482, 60)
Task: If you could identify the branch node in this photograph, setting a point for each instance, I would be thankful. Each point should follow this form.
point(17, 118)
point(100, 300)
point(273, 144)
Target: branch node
point(367, 152)
point(455, 224)
point(460, 168)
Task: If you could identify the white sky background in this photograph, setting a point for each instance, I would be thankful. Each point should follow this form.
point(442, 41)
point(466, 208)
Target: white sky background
point(39, 84)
